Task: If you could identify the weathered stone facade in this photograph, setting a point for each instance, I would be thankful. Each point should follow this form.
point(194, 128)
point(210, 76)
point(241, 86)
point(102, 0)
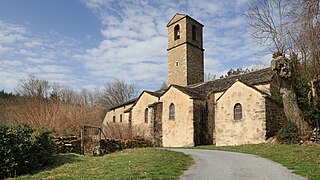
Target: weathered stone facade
point(118, 115)
point(141, 113)
point(228, 111)
point(156, 124)
point(275, 117)
point(181, 127)
point(251, 129)
point(185, 54)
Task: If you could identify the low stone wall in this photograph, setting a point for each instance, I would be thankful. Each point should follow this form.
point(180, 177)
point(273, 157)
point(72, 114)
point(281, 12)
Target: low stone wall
point(68, 144)
point(112, 145)
point(71, 144)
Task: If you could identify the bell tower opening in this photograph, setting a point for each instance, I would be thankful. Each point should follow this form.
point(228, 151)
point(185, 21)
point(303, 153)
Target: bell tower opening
point(185, 51)
point(176, 32)
point(194, 32)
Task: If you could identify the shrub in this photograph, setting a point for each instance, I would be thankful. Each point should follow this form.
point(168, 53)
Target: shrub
point(123, 131)
point(24, 149)
point(288, 134)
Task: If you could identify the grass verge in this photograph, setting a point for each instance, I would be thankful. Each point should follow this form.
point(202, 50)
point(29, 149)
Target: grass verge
point(128, 164)
point(303, 160)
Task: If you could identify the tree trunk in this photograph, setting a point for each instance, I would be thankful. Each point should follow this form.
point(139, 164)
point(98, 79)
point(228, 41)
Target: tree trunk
point(280, 65)
point(291, 108)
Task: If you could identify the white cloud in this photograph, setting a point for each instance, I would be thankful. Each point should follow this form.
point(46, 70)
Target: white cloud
point(23, 52)
point(133, 47)
point(32, 43)
point(135, 32)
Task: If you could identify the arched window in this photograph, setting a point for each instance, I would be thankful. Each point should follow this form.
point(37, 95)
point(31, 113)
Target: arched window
point(237, 111)
point(114, 119)
point(176, 32)
point(146, 115)
point(120, 117)
point(194, 32)
point(172, 111)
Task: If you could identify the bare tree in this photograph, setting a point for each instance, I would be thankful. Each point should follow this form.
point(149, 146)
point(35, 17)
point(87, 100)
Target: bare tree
point(305, 34)
point(268, 20)
point(33, 87)
point(164, 86)
point(117, 92)
point(59, 108)
point(89, 97)
point(209, 77)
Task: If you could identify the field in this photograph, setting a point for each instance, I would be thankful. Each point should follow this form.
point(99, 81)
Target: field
point(128, 164)
point(149, 163)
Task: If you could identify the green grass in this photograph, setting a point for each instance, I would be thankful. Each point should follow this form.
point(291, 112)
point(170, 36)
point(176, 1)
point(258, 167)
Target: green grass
point(128, 164)
point(303, 160)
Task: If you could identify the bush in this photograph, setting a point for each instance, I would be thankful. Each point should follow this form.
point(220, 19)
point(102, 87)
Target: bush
point(123, 131)
point(24, 149)
point(288, 134)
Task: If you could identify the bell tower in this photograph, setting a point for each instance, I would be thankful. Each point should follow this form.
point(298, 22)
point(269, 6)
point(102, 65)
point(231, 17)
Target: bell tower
point(185, 51)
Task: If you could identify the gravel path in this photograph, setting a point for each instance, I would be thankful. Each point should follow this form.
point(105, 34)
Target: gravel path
point(211, 164)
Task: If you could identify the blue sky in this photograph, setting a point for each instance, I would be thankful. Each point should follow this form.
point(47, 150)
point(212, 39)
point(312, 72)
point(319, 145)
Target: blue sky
point(86, 43)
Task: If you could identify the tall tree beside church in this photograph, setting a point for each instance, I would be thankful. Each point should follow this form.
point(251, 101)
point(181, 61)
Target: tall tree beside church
point(305, 34)
point(269, 22)
point(117, 92)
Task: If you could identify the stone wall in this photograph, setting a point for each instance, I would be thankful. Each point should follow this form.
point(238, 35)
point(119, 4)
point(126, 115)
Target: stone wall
point(177, 132)
point(185, 55)
point(112, 145)
point(211, 118)
point(177, 73)
point(195, 62)
point(264, 88)
point(156, 131)
point(138, 114)
point(68, 144)
point(251, 129)
point(182, 23)
point(117, 113)
point(200, 123)
point(71, 144)
point(198, 42)
point(275, 117)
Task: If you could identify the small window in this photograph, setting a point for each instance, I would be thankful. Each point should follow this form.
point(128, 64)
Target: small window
point(120, 117)
point(194, 32)
point(146, 115)
point(177, 63)
point(114, 119)
point(176, 32)
point(171, 112)
point(237, 110)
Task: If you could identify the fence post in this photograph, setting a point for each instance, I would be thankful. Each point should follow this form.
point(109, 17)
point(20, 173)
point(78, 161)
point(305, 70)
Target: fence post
point(82, 139)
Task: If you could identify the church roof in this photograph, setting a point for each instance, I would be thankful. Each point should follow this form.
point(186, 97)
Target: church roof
point(178, 16)
point(252, 78)
point(134, 100)
point(189, 91)
point(123, 104)
point(202, 90)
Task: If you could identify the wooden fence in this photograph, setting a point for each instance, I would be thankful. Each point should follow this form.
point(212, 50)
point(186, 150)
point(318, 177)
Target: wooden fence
point(90, 140)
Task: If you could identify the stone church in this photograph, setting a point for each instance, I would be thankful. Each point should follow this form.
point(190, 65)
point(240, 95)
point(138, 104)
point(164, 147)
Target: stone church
point(228, 111)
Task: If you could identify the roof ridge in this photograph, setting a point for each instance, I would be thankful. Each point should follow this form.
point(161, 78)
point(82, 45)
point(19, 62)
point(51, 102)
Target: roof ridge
point(228, 77)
